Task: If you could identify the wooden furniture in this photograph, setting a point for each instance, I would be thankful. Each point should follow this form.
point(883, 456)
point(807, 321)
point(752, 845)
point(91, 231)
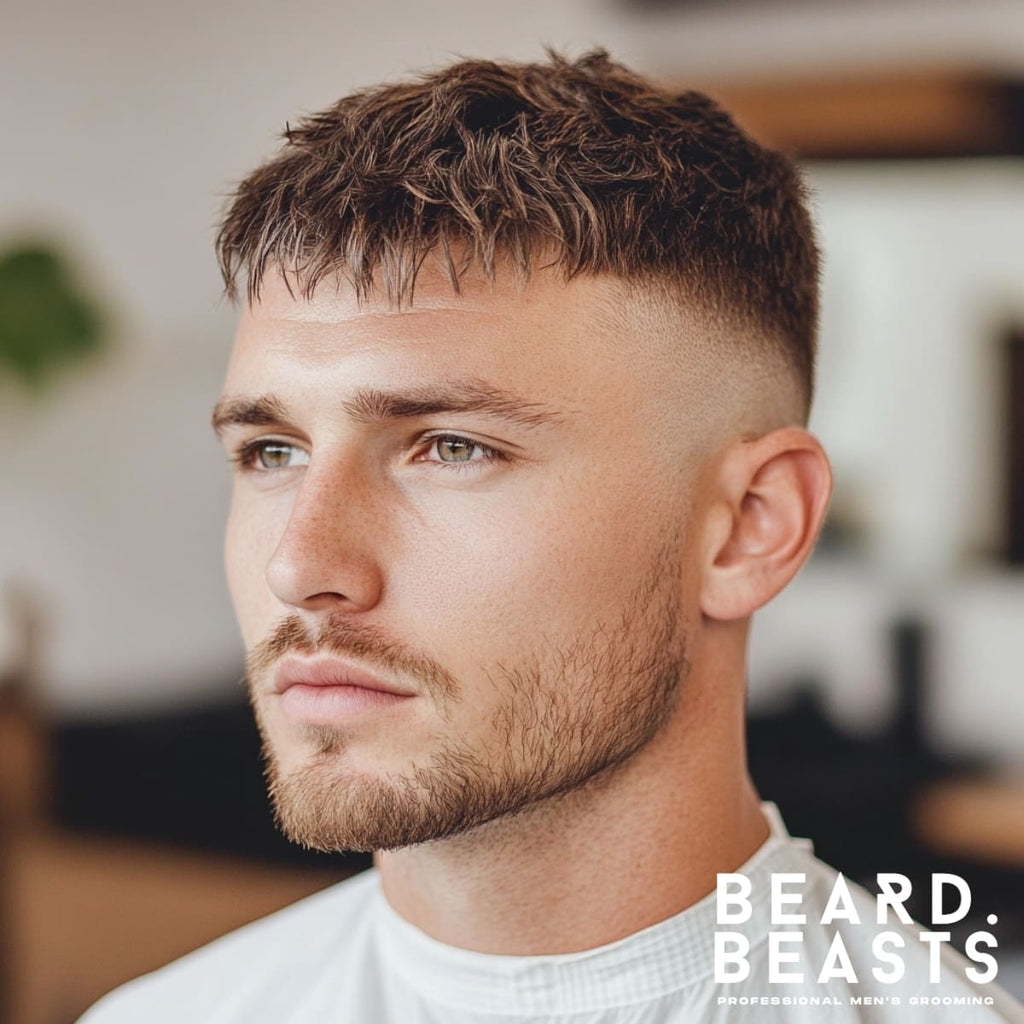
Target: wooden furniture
point(79, 914)
point(82, 915)
point(900, 114)
point(975, 820)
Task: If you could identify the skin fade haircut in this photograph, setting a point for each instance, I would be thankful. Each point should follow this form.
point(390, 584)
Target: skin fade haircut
point(581, 165)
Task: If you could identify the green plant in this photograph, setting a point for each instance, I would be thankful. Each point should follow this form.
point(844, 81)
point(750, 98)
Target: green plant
point(46, 322)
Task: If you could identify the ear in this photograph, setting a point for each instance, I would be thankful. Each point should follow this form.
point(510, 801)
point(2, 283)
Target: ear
point(769, 498)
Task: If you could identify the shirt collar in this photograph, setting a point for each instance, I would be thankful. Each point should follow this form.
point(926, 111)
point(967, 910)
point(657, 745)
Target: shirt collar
point(644, 966)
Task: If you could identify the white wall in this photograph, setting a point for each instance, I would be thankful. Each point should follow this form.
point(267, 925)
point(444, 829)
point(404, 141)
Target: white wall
point(124, 123)
point(924, 275)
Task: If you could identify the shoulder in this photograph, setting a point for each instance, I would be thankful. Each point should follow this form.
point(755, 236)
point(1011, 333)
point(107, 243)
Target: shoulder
point(251, 967)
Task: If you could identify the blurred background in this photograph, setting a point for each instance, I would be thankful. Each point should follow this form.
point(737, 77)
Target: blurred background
point(887, 708)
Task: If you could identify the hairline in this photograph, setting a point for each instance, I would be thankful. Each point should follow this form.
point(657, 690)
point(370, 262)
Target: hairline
point(635, 305)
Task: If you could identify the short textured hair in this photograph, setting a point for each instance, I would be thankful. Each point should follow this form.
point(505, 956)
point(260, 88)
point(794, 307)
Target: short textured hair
point(580, 165)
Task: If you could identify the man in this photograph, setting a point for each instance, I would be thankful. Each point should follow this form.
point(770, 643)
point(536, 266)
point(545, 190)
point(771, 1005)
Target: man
point(517, 407)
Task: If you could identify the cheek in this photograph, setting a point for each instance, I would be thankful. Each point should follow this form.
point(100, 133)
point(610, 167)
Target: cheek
point(248, 545)
point(518, 575)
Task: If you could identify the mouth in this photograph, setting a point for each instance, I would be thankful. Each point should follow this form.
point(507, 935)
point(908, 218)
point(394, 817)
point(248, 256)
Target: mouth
point(328, 690)
point(331, 672)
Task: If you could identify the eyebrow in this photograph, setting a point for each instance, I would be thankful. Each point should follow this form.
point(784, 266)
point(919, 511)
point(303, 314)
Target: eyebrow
point(265, 411)
point(374, 405)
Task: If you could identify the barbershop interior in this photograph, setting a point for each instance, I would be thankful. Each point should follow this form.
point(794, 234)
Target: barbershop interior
point(886, 717)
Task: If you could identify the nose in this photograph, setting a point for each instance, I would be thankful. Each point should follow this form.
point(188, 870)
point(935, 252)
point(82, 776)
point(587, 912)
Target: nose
point(327, 559)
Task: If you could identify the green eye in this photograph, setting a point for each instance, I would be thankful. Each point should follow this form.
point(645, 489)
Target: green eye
point(276, 455)
point(455, 449)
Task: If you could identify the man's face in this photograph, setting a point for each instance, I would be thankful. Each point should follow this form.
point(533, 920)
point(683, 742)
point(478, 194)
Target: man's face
point(458, 549)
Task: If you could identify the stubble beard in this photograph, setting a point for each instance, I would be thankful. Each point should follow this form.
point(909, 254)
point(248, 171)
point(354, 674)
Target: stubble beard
point(567, 716)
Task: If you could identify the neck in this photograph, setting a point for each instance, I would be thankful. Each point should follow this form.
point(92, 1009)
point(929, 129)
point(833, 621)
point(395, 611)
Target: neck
point(636, 845)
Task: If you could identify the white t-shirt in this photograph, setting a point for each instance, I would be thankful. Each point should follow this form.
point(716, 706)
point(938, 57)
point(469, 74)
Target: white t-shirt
point(344, 956)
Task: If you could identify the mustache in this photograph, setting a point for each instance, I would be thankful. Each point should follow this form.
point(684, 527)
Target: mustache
point(337, 635)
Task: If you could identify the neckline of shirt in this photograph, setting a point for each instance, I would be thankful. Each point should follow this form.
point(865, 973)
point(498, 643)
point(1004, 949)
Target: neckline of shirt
point(649, 964)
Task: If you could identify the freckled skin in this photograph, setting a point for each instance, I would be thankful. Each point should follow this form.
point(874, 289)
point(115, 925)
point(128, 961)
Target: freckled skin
point(542, 578)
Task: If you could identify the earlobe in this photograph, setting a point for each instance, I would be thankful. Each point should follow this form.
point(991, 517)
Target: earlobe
point(772, 495)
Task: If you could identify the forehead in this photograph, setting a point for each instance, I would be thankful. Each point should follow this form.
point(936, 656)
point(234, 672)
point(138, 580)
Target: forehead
point(547, 333)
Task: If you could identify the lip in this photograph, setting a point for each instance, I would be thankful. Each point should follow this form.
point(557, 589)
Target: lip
point(331, 673)
point(333, 692)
